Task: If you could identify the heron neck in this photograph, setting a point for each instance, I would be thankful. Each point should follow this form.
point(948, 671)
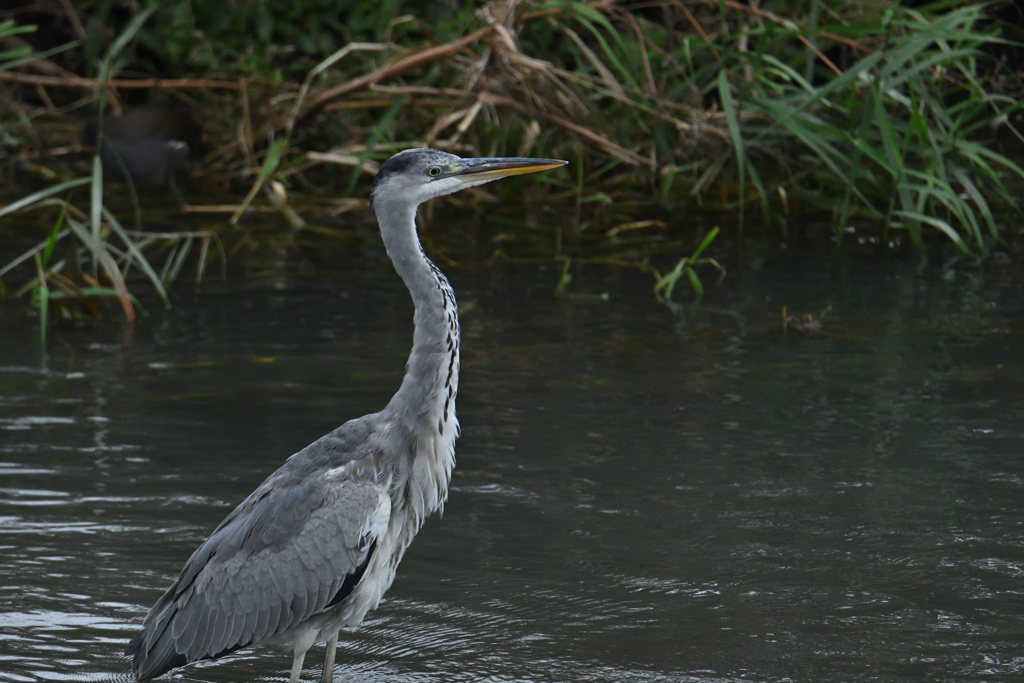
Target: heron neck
point(435, 348)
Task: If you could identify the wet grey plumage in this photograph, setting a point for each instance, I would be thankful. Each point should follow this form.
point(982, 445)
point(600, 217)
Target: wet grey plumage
point(315, 547)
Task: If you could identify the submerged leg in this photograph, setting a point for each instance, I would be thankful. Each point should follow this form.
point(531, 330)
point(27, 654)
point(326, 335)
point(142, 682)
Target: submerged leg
point(297, 666)
point(332, 647)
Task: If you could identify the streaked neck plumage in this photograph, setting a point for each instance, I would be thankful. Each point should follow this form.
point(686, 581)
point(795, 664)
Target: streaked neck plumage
point(424, 406)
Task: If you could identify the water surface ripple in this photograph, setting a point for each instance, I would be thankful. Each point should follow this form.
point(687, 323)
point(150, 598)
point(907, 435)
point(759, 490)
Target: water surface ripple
point(640, 495)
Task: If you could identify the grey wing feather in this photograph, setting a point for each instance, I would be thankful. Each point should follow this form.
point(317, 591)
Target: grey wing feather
point(276, 560)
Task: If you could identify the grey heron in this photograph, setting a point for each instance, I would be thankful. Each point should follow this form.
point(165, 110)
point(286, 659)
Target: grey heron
point(316, 545)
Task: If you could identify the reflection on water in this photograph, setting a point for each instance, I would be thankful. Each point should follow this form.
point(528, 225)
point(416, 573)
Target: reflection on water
point(639, 496)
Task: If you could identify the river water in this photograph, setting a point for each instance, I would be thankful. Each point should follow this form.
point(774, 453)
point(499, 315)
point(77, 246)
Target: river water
point(641, 494)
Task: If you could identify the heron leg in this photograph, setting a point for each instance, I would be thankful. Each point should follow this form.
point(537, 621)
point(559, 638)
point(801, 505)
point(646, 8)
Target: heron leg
point(332, 647)
point(297, 666)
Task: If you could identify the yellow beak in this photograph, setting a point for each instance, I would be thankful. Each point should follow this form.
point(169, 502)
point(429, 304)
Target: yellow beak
point(489, 168)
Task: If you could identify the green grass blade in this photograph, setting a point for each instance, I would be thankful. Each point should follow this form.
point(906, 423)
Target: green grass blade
point(168, 262)
point(695, 281)
point(939, 224)
point(119, 44)
point(35, 56)
point(30, 253)
point(179, 262)
point(705, 243)
point(42, 297)
point(761, 192)
point(204, 252)
point(100, 254)
point(564, 279)
point(839, 83)
point(610, 54)
point(731, 117)
point(42, 194)
point(273, 159)
point(137, 256)
point(267, 168)
point(584, 12)
point(979, 200)
point(718, 266)
point(667, 283)
point(790, 72)
point(51, 241)
point(130, 30)
point(890, 145)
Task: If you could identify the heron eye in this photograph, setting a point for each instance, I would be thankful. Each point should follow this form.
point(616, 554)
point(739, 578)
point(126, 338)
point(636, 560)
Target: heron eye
point(434, 171)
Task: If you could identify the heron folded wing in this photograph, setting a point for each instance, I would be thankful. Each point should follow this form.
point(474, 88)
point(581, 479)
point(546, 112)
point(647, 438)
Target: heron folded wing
point(282, 558)
point(299, 563)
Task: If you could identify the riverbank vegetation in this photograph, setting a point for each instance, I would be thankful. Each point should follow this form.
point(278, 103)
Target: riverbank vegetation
point(898, 120)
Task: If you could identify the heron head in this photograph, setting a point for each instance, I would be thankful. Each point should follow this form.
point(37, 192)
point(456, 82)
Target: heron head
point(416, 175)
